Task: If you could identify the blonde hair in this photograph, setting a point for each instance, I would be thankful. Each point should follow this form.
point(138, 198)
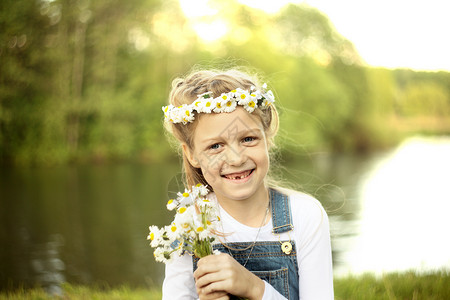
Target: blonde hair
point(185, 91)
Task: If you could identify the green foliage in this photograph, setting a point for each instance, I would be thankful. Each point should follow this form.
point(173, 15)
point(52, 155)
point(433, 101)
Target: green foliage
point(424, 98)
point(85, 80)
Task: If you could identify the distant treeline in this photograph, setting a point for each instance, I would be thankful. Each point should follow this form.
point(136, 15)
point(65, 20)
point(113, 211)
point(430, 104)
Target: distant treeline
point(85, 80)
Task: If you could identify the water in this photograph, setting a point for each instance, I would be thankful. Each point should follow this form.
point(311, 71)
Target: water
point(403, 221)
point(88, 224)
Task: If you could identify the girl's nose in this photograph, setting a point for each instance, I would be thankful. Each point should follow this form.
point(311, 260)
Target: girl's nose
point(235, 156)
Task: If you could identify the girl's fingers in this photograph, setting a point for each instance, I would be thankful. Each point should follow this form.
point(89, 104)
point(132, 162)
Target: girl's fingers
point(210, 264)
point(209, 278)
point(216, 286)
point(221, 295)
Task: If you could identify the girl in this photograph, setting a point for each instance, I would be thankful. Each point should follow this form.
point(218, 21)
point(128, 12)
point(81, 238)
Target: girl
point(275, 243)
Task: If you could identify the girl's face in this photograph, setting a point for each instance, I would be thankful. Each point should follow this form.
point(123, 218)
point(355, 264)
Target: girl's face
point(231, 150)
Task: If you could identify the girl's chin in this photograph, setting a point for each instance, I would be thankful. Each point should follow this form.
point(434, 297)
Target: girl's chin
point(236, 195)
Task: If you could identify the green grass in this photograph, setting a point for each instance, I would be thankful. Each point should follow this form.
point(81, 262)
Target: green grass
point(408, 285)
point(78, 292)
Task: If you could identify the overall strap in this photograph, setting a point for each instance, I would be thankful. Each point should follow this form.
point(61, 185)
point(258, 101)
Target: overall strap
point(281, 212)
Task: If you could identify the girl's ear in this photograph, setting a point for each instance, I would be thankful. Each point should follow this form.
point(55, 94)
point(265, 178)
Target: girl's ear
point(190, 156)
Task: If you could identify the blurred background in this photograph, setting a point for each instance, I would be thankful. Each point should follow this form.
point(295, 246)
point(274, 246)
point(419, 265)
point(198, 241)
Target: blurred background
point(363, 90)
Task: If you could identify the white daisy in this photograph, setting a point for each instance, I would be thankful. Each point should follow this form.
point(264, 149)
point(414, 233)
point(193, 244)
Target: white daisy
point(229, 106)
point(185, 198)
point(207, 106)
point(172, 204)
point(250, 106)
point(203, 203)
point(218, 104)
point(163, 254)
point(188, 115)
point(185, 216)
point(196, 105)
point(155, 236)
point(173, 231)
point(270, 97)
point(199, 191)
point(225, 96)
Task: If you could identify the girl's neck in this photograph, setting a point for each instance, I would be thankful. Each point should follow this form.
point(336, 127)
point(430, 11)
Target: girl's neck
point(248, 211)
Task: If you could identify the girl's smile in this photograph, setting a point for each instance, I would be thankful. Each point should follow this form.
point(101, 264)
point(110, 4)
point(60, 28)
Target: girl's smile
point(239, 176)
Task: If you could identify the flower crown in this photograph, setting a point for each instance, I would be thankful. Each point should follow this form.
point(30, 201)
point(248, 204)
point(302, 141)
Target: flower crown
point(226, 102)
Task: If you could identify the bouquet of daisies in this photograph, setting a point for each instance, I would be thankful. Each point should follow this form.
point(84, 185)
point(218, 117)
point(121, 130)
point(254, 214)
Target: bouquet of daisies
point(192, 230)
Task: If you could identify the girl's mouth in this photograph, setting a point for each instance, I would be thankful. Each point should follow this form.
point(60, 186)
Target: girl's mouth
point(239, 175)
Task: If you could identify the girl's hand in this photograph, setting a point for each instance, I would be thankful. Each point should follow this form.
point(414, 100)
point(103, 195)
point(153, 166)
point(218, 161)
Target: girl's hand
point(222, 273)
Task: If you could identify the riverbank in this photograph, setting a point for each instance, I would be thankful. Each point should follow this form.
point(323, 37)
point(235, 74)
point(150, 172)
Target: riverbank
point(408, 285)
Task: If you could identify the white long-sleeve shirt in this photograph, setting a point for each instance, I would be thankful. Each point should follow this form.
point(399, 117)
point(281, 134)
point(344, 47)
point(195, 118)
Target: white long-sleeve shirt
point(312, 239)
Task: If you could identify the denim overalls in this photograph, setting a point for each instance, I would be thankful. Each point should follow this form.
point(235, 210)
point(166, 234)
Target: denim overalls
point(267, 259)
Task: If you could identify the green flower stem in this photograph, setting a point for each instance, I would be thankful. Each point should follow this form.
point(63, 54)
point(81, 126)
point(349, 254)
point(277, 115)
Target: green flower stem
point(202, 248)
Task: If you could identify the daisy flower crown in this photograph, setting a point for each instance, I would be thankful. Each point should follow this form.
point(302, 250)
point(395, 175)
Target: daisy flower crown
point(226, 102)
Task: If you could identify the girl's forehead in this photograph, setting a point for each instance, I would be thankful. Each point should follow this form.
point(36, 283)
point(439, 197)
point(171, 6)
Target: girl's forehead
point(226, 125)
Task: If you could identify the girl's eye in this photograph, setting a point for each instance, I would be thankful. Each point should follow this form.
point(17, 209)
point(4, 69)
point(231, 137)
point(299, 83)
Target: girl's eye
point(214, 146)
point(248, 139)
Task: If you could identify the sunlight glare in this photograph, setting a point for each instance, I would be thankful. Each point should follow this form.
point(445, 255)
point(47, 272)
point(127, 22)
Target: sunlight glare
point(204, 20)
point(210, 32)
point(197, 8)
point(267, 6)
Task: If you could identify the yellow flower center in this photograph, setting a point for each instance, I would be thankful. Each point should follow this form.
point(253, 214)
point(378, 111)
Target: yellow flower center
point(208, 222)
point(229, 103)
point(208, 104)
point(185, 195)
point(170, 201)
point(198, 185)
point(200, 229)
point(173, 228)
point(224, 97)
point(185, 225)
point(187, 113)
point(152, 236)
point(182, 210)
point(218, 105)
point(243, 96)
point(251, 104)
